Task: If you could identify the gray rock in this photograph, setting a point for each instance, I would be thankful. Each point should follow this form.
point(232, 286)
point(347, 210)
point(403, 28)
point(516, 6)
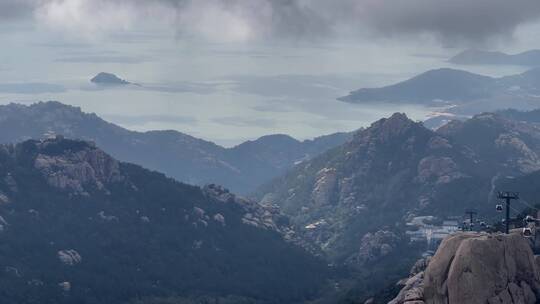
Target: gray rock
point(413, 290)
point(69, 257)
point(375, 246)
point(4, 199)
point(65, 286)
point(480, 268)
point(220, 219)
point(77, 171)
point(325, 185)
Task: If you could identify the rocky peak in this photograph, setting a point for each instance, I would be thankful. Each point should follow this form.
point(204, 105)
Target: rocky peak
point(394, 126)
point(491, 137)
point(75, 166)
point(480, 121)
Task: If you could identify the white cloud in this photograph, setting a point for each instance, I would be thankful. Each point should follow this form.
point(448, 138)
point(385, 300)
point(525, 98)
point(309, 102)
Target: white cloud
point(91, 18)
point(244, 20)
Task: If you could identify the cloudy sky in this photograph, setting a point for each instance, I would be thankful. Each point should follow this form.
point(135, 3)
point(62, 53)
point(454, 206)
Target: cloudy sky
point(230, 70)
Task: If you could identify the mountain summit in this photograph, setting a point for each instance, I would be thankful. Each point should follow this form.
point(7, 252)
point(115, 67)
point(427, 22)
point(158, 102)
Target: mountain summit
point(359, 201)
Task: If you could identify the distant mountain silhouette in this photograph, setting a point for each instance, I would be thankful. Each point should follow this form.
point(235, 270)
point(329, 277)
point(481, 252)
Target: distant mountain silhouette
point(441, 84)
point(478, 57)
point(450, 86)
point(184, 157)
point(108, 79)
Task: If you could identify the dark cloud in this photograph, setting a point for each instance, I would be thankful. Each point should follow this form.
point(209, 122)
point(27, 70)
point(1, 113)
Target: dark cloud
point(453, 21)
point(450, 20)
point(13, 9)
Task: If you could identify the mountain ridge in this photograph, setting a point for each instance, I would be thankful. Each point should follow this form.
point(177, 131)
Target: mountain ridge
point(189, 159)
point(478, 57)
point(68, 209)
point(357, 201)
point(448, 86)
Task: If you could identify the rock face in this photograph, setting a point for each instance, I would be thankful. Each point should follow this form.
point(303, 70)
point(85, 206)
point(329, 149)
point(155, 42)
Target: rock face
point(375, 246)
point(75, 170)
point(472, 268)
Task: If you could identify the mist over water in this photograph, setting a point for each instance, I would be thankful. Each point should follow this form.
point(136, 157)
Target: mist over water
point(221, 92)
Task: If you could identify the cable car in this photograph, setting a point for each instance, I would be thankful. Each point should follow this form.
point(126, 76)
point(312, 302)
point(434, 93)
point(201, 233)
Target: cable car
point(530, 219)
point(499, 208)
point(527, 232)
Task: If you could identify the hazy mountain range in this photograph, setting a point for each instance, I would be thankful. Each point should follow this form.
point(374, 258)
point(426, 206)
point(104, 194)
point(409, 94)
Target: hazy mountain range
point(183, 157)
point(478, 57)
point(449, 86)
point(348, 205)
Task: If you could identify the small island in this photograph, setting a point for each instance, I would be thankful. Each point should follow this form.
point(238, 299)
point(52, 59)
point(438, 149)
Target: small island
point(108, 79)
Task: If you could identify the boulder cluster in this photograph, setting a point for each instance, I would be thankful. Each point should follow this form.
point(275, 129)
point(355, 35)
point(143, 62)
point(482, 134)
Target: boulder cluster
point(476, 268)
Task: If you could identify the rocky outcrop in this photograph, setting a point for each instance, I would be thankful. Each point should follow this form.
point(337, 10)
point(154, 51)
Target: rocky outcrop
point(440, 170)
point(473, 268)
point(3, 224)
point(69, 257)
point(76, 169)
point(413, 287)
point(375, 246)
point(526, 160)
point(255, 214)
point(324, 186)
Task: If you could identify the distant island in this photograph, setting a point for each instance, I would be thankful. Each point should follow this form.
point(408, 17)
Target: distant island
point(478, 57)
point(449, 86)
point(432, 86)
point(108, 79)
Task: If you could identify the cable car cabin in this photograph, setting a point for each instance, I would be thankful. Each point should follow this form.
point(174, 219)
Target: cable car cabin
point(499, 208)
point(527, 232)
point(530, 219)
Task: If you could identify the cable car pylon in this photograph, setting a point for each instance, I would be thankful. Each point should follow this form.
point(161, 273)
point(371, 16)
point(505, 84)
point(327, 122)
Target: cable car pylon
point(471, 213)
point(507, 197)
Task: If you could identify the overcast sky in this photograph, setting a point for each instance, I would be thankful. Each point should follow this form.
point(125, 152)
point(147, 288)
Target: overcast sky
point(230, 70)
point(453, 22)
